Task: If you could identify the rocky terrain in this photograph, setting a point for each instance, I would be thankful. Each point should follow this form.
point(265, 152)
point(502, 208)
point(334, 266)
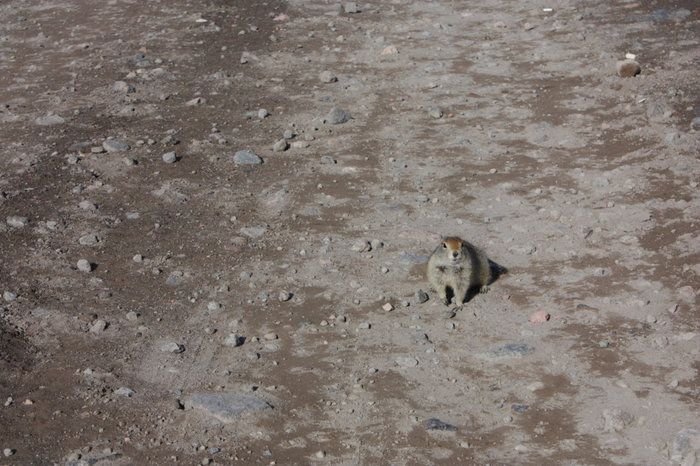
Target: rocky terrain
point(216, 215)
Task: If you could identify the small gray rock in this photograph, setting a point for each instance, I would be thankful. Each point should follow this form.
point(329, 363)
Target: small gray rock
point(49, 120)
point(253, 232)
point(327, 160)
point(234, 340)
point(84, 265)
point(213, 306)
point(437, 424)
point(327, 77)
point(351, 7)
point(170, 157)
point(172, 347)
point(226, 407)
point(338, 116)
point(123, 87)
point(246, 157)
point(88, 240)
point(406, 361)
point(99, 326)
point(420, 296)
point(262, 113)
point(518, 408)
point(280, 146)
point(9, 296)
point(16, 221)
point(123, 391)
point(115, 145)
point(435, 113)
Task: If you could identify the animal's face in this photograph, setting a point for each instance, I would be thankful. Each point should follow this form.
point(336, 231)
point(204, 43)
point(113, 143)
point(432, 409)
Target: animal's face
point(453, 248)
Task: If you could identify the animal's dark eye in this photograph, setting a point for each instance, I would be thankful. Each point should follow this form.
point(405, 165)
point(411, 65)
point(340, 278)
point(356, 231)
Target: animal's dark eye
point(444, 245)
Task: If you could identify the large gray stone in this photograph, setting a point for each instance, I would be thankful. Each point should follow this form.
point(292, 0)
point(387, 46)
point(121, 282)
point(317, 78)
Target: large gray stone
point(247, 157)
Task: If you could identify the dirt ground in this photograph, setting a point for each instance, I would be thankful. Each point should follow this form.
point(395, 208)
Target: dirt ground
point(165, 302)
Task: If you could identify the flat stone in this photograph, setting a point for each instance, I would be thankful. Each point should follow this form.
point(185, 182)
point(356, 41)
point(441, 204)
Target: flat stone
point(123, 391)
point(616, 419)
point(115, 145)
point(226, 407)
point(49, 120)
point(172, 347)
point(437, 424)
point(246, 157)
point(253, 232)
point(88, 240)
point(406, 361)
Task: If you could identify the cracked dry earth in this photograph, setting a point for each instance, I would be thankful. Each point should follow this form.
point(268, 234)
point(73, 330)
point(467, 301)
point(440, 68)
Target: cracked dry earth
point(165, 301)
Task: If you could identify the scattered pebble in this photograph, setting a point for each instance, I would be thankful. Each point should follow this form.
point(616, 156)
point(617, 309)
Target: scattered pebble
point(234, 340)
point(172, 347)
point(361, 246)
point(132, 316)
point(280, 146)
point(87, 205)
point(390, 50)
point(338, 116)
point(8, 451)
point(435, 112)
point(285, 296)
point(84, 265)
point(420, 296)
point(406, 361)
point(262, 113)
point(115, 145)
point(49, 120)
point(123, 391)
point(351, 7)
point(327, 77)
point(88, 240)
point(170, 157)
point(9, 296)
point(270, 336)
point(388, 307)
point(213, 306)
point(437, 424)
point(100, 325)
point(17, 221)
point(539, 317)
point(195, 101)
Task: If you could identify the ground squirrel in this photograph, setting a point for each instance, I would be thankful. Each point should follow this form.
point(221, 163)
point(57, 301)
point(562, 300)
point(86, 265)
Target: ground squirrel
point(460, 268)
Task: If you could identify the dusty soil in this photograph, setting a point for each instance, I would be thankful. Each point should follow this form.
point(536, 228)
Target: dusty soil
point(501, 122)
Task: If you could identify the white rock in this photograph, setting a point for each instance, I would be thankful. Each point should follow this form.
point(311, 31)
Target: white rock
point(84, 265)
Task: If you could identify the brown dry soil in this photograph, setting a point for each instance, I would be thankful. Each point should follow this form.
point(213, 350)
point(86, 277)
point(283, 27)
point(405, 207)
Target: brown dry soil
point(583, 183)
